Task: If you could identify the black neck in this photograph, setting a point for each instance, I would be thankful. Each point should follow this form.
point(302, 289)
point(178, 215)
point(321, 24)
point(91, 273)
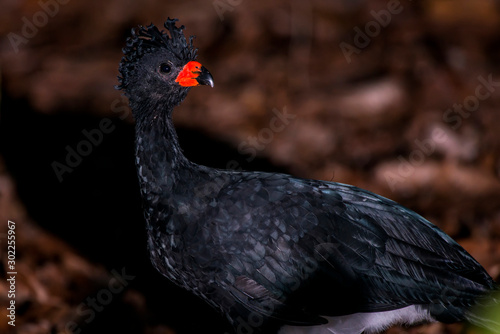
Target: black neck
point(168, 180)
point(159, 157)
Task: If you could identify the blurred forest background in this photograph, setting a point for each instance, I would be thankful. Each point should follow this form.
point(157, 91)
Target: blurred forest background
point(398, 97)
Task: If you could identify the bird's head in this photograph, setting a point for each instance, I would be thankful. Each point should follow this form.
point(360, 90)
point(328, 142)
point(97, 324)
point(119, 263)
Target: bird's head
point(160, 68)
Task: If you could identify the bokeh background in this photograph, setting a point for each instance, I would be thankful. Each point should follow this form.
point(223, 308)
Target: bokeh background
point(398, 97)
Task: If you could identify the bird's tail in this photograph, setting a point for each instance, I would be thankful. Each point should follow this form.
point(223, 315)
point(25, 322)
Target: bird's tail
point(486, 314)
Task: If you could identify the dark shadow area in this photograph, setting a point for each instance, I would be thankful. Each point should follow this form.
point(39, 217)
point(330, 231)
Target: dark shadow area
point(97, 208)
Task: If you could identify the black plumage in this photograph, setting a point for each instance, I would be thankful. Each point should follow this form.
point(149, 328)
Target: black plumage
point(268, 249)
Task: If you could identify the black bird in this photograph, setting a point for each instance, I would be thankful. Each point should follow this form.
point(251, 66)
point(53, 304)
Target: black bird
point(271, 251)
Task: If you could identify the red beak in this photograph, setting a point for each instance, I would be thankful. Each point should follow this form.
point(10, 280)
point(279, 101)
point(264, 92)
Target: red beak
point(194, 74)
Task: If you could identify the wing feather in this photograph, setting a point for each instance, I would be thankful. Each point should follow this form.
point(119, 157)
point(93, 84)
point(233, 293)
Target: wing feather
point(307, 248)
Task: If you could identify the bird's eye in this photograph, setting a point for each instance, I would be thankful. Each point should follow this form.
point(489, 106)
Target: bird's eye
point(165, 68)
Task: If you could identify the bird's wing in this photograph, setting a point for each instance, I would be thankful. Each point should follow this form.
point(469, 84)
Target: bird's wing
point(300, 248)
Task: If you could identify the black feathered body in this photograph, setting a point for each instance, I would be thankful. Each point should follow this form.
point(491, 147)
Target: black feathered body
point(289, 250)
point(270, 250)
